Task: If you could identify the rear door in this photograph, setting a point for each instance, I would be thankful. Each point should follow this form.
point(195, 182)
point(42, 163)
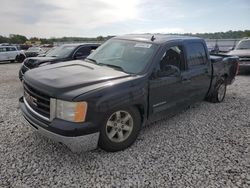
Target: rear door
point(198, 71)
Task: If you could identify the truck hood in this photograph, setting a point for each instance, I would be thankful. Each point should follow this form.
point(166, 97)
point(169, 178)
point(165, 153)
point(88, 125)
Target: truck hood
point(240, 53)
point(33, 62)
point(58, 79)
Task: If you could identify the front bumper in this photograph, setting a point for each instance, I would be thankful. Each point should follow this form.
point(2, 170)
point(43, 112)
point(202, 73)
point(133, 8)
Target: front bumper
point(78, 140)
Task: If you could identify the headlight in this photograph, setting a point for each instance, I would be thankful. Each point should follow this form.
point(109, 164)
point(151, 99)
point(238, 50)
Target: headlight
point(71, 111)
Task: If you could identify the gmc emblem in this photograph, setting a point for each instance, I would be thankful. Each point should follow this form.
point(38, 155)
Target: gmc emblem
point(30, 99)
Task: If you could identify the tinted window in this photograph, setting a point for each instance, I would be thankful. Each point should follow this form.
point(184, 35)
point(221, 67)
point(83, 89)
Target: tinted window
point(9, 49)
point(84, 50)
point(2, 49)
point(196, 54)
point(173, 56)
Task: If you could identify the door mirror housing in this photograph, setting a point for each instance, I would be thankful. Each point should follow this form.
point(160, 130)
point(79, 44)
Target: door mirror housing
point(169, 70)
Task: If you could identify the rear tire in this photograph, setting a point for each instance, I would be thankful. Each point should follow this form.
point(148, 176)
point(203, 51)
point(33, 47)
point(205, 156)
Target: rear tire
point(120, 129)
point(219, 92)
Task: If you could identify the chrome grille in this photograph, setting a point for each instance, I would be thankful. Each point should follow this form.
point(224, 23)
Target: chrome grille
point(37, 100)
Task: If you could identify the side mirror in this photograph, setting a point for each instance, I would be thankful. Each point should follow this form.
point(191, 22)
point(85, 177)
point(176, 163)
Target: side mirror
point(78, 55)
point(169, 70)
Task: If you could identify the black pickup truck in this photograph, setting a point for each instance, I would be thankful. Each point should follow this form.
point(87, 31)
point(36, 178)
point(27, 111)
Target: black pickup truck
point(124, 83)
point(58, 54)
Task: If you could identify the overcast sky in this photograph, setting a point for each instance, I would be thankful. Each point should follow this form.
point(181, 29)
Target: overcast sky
point(91, 18)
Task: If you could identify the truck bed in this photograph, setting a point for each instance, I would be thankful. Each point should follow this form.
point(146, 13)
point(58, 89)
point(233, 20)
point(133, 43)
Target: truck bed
point(224, 66)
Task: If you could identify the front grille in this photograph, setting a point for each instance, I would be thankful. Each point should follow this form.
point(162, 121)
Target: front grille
point(37, 100)
point(30, 63)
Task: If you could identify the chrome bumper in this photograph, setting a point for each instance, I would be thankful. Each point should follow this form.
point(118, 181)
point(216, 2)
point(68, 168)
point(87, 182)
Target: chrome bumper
point(75, 144)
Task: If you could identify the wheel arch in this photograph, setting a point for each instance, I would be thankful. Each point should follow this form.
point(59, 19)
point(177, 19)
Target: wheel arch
point(142, 110)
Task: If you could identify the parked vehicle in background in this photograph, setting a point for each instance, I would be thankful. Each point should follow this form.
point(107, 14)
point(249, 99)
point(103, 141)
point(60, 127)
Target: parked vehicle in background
point(62, 53)
point(221, 45)
point(242, 50)
point(120, 86)
point(11, 53)
point(34, 51)
point(47, 50)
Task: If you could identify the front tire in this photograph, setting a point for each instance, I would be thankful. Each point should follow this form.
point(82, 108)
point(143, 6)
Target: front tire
point(120, 129)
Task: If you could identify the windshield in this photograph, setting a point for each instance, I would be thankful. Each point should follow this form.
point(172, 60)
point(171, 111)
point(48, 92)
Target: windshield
point(129, 56)
point(243, 45)
point(61, 52)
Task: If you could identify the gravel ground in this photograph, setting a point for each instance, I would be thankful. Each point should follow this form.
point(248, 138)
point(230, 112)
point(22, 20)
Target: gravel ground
point(207, 145)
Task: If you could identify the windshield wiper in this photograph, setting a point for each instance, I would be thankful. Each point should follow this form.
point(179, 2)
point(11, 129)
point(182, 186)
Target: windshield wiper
point(113, 66)
point(91, 60)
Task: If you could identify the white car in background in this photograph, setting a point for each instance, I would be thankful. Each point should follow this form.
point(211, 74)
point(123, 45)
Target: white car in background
point(11, 53)
point(242, 50)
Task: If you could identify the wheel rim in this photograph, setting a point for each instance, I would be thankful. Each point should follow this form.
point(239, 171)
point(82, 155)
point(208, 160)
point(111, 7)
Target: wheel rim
point(221, 92)
point(119, 126)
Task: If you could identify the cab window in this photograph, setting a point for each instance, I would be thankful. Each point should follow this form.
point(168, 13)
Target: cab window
point(84, 50)
point(2, 49)
point(196, 54)
point(172, 56)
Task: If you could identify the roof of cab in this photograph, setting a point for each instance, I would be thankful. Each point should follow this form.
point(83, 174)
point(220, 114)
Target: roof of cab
point(158, 38)
point(81, 44)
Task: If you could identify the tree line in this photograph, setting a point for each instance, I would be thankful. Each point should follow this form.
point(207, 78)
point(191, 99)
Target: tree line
point(20, 39)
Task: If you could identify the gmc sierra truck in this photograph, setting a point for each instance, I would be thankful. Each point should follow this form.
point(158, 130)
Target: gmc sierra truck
point(122, 85)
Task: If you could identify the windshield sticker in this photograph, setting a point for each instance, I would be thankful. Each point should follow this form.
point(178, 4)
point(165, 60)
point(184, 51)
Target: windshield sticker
point(143, 45)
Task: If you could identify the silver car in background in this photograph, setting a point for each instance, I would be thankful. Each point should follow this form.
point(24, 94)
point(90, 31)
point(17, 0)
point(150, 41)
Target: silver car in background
point(242, 50)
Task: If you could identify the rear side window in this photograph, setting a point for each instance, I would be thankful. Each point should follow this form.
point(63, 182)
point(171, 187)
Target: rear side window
point(173, 56)
point(9, 49)
point(2, 49)
point(196, 54)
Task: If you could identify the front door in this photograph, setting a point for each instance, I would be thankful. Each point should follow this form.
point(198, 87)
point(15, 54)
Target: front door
point(167, 90)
